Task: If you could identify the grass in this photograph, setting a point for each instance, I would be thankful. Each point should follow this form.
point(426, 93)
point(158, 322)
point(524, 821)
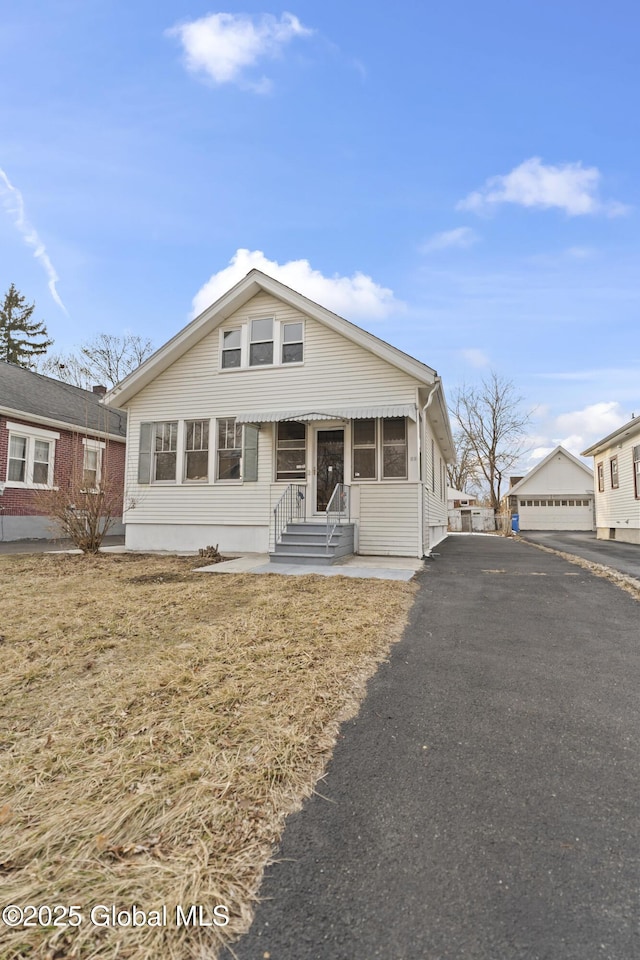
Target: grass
point(156, 727)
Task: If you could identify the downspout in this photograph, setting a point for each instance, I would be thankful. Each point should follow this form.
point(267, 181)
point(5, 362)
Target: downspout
point(427, 553)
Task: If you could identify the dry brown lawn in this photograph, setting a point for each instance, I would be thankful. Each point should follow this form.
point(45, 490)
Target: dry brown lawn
point(156, 726)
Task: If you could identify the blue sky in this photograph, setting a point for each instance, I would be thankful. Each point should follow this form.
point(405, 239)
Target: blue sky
point(461, 179)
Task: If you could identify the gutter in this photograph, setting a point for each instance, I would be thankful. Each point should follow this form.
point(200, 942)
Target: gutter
point(427, 554)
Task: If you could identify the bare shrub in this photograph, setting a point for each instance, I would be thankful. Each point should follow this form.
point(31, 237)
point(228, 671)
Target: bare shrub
point(85, 506)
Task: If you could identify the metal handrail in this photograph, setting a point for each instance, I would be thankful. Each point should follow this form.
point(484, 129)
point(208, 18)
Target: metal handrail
point(339, 505)
point(292, 504)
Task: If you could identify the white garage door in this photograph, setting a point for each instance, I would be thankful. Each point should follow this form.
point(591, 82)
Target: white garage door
point(544, 513)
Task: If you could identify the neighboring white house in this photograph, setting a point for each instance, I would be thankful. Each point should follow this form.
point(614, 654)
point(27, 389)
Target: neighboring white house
point(267, 392)
point(557, 494)
point(617, 469)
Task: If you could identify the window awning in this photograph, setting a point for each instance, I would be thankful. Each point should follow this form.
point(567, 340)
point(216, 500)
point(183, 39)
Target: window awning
point(330, 413)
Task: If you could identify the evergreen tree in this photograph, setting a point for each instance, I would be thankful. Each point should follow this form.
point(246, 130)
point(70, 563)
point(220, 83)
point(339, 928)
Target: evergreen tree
point(22, 339)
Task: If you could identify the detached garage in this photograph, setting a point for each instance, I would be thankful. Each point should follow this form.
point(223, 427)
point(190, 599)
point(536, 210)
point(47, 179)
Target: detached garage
point(556, 495)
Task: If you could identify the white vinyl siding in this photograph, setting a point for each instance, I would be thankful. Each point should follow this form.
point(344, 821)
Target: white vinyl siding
point(389, 519)
point(334, 371)
point(618, 509)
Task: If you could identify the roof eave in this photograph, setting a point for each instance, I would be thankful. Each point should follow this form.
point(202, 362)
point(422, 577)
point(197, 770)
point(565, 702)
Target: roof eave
point(628, 428)
point(521, 483)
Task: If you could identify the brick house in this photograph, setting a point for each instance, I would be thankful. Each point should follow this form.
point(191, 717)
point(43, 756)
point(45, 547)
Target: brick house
point(49, 432)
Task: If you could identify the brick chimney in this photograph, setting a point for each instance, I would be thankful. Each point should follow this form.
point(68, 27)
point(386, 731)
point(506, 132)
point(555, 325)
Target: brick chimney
point(100, 390)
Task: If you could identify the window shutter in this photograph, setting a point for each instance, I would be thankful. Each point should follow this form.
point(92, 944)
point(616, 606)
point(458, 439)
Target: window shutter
point(250, 452)
point(144, 453)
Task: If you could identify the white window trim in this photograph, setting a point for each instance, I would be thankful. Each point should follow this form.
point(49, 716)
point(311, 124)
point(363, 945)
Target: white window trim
point(245, 343)
point(179, 445)
point(216, 479)
point(98, 445)
point(184, 479)
point(31, 434)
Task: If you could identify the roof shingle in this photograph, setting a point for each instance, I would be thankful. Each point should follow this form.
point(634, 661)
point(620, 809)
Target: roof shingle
point(27, 393)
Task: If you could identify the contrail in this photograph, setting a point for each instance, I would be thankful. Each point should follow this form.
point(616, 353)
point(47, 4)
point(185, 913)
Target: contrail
point(14, 205)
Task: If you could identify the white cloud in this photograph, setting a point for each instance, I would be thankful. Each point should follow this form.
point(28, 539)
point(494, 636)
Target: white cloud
point(224, 45)
point(583, 427)
point(577, 430)
point(569, 187)
point(460, 237)
point(14, 205)
point(352, 297)
point(539, 453)
point(477, 358)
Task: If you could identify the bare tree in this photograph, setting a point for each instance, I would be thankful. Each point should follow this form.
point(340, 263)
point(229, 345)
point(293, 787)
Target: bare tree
point(465, 473)
point(491, 419)
point(106, 359)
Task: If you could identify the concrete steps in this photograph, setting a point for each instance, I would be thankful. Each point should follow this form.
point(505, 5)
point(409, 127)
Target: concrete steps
point(306, 543)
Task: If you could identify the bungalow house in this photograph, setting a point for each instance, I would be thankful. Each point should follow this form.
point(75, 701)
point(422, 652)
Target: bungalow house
point(617, 469)
point(269, 423)
point(49, 432)
point(556, 494)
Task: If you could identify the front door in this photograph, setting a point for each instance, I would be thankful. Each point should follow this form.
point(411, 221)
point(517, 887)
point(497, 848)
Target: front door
point(329, 465)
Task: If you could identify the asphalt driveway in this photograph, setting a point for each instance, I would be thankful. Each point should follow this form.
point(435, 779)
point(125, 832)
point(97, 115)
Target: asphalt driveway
point(624, 557)
point(484, 805)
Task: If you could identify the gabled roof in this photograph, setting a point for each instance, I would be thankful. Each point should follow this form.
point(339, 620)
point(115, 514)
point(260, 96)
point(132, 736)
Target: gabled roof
point(626, 430)
point(539, 466)
point(256, 282)
point(30, 396)
point(453, 494)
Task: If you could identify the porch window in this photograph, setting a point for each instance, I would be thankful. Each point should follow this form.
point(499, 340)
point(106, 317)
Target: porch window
point(291, 451)
point(231, 348)
point(292, 345)
point(364, 450)
point(261, 343)
point(600, 477)
point(229, 449)
point(614, 473)
point(636, 470)
point(165, 450)
point(394, 448)
point(196, 450)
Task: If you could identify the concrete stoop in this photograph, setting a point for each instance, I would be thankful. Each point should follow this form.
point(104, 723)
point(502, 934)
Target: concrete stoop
point(306, 543)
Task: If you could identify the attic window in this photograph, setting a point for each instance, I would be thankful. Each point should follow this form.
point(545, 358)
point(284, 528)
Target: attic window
point(231, 348)
point(261, 344)
point(292, 346)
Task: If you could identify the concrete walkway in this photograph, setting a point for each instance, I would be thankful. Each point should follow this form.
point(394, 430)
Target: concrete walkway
point(110, 544)
point(484, 804)
point(377, 568)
